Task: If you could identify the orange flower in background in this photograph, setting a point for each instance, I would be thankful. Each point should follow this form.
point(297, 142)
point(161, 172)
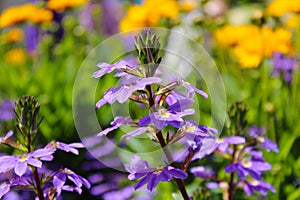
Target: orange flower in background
point(24, 13)
point(61, 5)
point(250, 44)
point(149, 14)
point(15, 56)
point(13, 35)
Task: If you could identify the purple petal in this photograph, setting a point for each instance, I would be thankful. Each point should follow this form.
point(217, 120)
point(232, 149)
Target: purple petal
point(7, 163)
point(9, 134)
point(4, 188)
point(145, 121)
point(34, 162)
point(134, 176)
point(124, 93)
point(176, 124)
point(249, 191)
point(134, 133)
point(105, 68)
point(153, 181)
point(41, 153)
point(180, 105)
point(59, 180)
point(138, 165)
point(235, 140)
point(230, 168)
point(165, 176)
point(143, 181)
point(20, 168)
point(142, 82)
point(177, 173)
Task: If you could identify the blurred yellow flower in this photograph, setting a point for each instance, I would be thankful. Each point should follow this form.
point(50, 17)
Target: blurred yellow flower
point(26, 12)
point(278, 8)
point(61, 5)
point(149, 14)
point(15, 56)
point(292, 21)
point(187, 5)
point(250, 44)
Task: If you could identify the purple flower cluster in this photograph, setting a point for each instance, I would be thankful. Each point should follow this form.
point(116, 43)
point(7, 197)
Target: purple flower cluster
point(167, 106)
point(246, 160)
point(22, 163)
point(139, 168)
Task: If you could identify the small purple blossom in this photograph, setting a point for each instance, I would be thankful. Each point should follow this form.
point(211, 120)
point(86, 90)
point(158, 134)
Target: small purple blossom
point(151, 176)
point(248, 166)
point(7, 110)
point(172, 115)
point(200, 130)
point(267, 144)
point(124, 92)
point(202, 172)
point(65, 147)
point(223, 143)
point(116, 123)
point(20, 163)
point(284, 65)
point(59, 181)
point(258, 185)
point(106, 68)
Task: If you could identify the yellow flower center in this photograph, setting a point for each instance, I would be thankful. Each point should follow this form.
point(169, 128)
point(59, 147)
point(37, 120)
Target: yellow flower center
point(191, 129)
point(261, 139)
point(254, 182)
point(23, 158)
point(246, 163)
point(163, 113)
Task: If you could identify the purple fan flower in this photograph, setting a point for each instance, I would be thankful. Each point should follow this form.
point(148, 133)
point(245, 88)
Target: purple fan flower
point(7, 110)
point(201, 172)
point(118, 121)
point(284, 65)
point(59, 181)
point(65, 147)
point(20, 163)
point(172, 115)
point(258, 185)
point(124, 92)
point(8, 135)
point(223, 143)
point(245, 167)
point(257, 133)
point(106, 68)
point(151, 176)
